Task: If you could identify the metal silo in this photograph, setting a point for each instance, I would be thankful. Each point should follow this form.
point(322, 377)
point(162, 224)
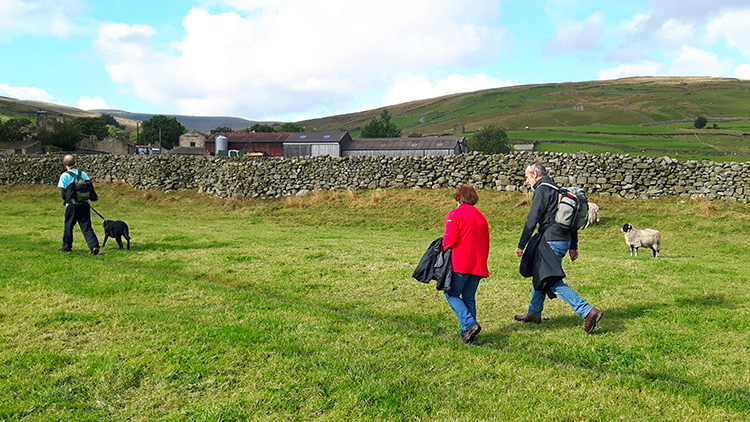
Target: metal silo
point(222, 145)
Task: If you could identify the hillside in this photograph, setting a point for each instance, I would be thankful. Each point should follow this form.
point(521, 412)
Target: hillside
point(648, 116)
point(622, 102)
point(10, 107)
point(202, 124)
point(645, 115)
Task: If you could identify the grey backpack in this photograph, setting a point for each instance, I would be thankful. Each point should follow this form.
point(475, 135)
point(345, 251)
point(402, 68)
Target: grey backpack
point(572, 207)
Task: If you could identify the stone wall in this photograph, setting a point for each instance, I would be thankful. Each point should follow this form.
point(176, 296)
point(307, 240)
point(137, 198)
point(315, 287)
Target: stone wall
point(618, 175)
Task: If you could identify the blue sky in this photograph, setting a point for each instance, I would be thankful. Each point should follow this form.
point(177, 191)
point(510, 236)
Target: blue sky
point(289, 60)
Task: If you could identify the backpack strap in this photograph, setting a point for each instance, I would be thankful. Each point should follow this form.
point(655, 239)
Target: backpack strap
point(76, 177)
point(557, 188)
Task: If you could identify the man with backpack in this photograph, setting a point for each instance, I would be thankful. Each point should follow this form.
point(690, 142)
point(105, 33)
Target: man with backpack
point(546, 249)
point(76, 191)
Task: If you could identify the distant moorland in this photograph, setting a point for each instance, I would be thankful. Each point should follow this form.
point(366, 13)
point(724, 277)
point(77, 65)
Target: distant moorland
point(645, 116)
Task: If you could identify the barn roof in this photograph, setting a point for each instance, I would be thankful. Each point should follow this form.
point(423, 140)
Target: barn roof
point(429, 143)
point(252, 137)
point(315, 137)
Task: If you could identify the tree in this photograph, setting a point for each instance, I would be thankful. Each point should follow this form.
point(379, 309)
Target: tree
point(110, 121)
point(163, 129)
point(381, 127)
point(91, 126)
point(700, 122)
point(490, 140)
point(222, 129)
point(13, 130)
point(64, 135)
point(262, 128)
point(290, 127)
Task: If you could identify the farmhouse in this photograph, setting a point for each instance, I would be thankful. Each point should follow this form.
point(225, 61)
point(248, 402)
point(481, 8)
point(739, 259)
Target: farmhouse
point(406, 147)
point(193, 138)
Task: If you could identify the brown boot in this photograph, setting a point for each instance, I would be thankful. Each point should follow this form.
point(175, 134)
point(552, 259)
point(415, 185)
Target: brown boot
point(528, 318)
point(589, 323)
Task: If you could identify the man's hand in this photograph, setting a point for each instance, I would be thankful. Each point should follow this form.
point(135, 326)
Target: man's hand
point(573, 254)
point(519, 252)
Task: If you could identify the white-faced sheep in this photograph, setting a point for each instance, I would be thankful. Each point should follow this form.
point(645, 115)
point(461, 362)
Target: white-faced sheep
point(646, 238)
point(593, 216)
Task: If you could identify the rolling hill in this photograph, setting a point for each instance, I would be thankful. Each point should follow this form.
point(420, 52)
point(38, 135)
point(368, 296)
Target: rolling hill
point(644, 115)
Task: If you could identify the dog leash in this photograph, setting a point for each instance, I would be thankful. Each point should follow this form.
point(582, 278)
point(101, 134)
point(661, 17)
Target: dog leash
point(97, 212)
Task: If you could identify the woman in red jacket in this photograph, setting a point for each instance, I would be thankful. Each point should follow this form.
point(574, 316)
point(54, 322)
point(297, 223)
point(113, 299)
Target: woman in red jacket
point(467, 234)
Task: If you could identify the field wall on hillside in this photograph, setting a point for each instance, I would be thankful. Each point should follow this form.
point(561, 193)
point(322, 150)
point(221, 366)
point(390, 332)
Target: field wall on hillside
point(618, 175)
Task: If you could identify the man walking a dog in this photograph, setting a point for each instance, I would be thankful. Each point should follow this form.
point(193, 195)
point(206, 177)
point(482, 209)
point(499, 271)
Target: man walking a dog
point(75, 211)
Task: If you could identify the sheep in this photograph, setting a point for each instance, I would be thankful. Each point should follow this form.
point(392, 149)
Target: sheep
point(593, 216)
point(648, 238)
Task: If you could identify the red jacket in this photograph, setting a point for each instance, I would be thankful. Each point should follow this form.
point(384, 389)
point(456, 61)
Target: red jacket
point(468, 234)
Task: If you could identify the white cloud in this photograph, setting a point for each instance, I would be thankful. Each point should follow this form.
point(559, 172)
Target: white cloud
point(629, 70)
point(675, 33)
point(293, 55)
point(577, 36)
point(88, 103)
point(690, 61)
point(409, 87)
point(732, 26)
point(19, 17)
point(742, 71)
point(27, 93)
point(635, 24)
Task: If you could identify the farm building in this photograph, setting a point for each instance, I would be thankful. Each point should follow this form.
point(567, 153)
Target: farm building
point(270, 144)
point(201, 150)
point(316, 143)
point(193, 138)
point(406, 147)
point(21, 147)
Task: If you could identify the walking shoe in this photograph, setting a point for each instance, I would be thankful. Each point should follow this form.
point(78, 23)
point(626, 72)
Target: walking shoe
point(468, 335)
point(589, 323)
point(528, 318)
point(95, 251)
point(63, 250)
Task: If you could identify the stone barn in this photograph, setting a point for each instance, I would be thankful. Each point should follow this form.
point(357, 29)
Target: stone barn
point(193, 138)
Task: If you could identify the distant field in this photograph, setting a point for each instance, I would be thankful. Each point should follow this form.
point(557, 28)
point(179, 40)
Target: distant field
point(304, 309)
point(620, 106)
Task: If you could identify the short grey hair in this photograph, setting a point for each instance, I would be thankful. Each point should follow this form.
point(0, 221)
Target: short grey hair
point(69, 161)
point(536, 167)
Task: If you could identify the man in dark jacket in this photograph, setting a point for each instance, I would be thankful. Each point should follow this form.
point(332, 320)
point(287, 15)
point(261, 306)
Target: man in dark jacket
point(76, 212)
point(548, 275)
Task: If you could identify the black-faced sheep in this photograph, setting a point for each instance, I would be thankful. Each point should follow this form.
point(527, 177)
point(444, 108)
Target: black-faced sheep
point(593, 216)
point(646, 238)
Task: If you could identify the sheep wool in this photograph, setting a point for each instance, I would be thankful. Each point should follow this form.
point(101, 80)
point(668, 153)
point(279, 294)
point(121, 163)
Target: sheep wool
point(593, 216)
point(646, 238)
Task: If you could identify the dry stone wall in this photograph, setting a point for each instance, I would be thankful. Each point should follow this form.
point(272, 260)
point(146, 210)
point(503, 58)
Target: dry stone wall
point(252, 177)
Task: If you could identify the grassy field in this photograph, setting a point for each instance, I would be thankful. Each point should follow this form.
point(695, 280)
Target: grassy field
point(304, 309)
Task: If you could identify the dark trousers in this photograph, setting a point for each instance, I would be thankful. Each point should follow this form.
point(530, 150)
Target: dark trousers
point(80, 214)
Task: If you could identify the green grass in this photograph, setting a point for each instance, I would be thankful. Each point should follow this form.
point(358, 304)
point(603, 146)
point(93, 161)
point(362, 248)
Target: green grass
point(304, 309)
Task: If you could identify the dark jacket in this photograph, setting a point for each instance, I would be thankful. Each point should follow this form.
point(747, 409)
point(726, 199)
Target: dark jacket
point(538, 259)
point(435, 265)
point(542, 214)
point(540, 262)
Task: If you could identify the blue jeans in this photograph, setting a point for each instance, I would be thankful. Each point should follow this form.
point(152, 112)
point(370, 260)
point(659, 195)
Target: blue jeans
point(579, 306)
point(461, 298)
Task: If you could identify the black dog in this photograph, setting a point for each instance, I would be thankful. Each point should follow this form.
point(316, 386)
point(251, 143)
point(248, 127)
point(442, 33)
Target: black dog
point(116, 230)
